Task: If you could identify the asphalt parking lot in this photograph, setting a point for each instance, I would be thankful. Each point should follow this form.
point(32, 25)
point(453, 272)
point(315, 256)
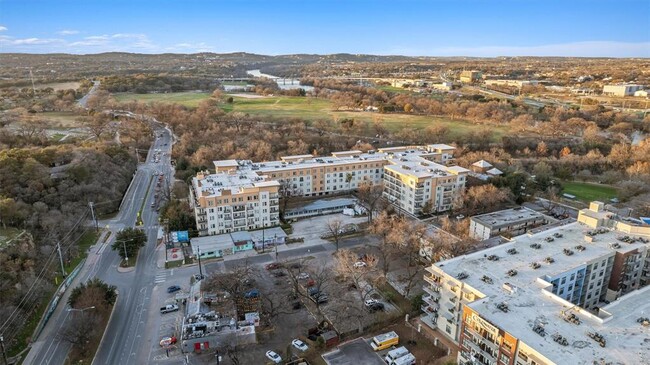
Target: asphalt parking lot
point(355, 352)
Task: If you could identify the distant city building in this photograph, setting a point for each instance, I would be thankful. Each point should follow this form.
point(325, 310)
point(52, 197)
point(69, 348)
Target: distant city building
point(544, 298)
point(621, 90)
point(515, 83)
point(510, 222)
point(469, 77)
point(242, 195)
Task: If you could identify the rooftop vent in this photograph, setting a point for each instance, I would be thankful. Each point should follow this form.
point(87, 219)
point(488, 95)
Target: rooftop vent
point(572, 318)
point(486, 279)
point(615, 246)
point(536, 246)
point(503, 307)
point(598, 338)
point(644, 321)
point(557, 235)
point(535, 265)
point(539, 329)
point(549, 239)
point(549, 260)
point(512, 251)
point(567, 252)
point(511, 272)
point(560, 339)
point(461, 276)
point(580, 248)
point(493, 258)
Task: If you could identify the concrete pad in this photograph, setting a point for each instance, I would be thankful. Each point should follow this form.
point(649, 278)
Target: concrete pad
point(355, 352)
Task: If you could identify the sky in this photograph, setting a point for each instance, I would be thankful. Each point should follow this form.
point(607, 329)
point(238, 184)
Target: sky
point(483, 28)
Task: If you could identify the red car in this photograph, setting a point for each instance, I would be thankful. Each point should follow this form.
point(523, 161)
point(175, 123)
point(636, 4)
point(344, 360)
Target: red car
point(273, 266)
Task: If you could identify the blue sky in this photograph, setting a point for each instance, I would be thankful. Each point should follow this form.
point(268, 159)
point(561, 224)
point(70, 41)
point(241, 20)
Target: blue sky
point(611, 28)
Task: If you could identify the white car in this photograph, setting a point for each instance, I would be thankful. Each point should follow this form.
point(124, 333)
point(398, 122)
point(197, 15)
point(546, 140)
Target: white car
point(369, 302)
point(274, 357)
point(299, 345)
point(359, 264)
point(302, 276)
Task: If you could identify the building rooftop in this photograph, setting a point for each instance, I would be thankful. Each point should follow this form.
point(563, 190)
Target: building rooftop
point(234, 182)
point(530, 301)
point(482, 164)
point(503, 218)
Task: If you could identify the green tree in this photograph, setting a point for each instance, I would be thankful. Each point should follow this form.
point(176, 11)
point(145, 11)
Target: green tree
point(129, 241)
point(108, 293)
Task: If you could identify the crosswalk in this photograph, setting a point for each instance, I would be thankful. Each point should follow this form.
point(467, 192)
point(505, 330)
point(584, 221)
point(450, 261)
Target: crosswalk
point(160, 278)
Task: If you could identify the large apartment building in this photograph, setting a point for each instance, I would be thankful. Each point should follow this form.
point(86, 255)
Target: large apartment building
point(414, 177)
point(234, 200)
point(556, 297)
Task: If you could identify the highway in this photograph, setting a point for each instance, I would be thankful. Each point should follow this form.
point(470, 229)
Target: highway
point(124, 341)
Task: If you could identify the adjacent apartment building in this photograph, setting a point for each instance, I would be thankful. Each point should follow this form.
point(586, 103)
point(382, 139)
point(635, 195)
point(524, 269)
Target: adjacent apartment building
point(555, 297)
point(621, 90)
point(415, 178)
point(508, 222)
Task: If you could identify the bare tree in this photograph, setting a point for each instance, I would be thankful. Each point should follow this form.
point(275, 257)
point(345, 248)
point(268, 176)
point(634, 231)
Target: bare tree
point(287, 191)
point(97, 124)
point(357, 272)
point(382, 227)
point(80, 330)
point(320, 274)
point(236, 282)
point(369, 195)
point(335, 231)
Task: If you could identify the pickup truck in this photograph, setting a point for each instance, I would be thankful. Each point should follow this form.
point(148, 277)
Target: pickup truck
point(169, 308)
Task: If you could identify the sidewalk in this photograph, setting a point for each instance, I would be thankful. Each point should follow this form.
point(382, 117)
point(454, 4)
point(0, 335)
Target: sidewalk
point(53, 325)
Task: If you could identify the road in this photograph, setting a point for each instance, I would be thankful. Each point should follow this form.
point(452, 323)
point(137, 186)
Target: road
point(125, 339)
point(83, 101)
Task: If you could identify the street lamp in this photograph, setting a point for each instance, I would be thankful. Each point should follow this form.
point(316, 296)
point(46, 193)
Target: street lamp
point(80, 310)
point(4, 354)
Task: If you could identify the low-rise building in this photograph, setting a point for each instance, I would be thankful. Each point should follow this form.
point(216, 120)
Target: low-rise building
point(641, 93)
point(543, 299)
point(509, 222)
point(514, 83)
point(621, 90)
point(229, 243)
point(469, 77)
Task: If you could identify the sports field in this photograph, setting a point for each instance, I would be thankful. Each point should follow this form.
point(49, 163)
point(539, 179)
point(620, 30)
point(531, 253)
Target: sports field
point(588, 192)
point(314, 109)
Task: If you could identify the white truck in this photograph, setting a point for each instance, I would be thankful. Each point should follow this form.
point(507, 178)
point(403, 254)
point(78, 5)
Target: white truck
point(409, 359)
point(168, 308)
point(395, 354)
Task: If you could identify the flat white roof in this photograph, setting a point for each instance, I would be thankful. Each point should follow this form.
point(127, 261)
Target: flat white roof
point(529, 304)
point(506, 217)
point(215, 184)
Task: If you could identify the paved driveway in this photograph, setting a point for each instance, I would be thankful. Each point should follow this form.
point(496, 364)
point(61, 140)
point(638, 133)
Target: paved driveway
point(356, 352)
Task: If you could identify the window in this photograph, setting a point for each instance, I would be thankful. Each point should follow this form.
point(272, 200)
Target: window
point(448, 329)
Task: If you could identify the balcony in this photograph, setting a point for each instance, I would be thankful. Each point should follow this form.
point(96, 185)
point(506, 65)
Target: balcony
point(274, 210)
point(432, 290)
point(274, 196)
point(202, 213)
point(240, 222)
point(201, 220)
point(433, 280)
point(239, 208)
point(430, 309)
point(239, 215)
point(431, 298)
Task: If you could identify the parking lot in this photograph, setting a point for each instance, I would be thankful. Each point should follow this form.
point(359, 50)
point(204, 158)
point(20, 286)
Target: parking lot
point(355, 352)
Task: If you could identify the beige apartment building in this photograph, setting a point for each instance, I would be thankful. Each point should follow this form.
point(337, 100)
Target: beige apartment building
point(414, 177)
point(530, 301)
point(232, 201)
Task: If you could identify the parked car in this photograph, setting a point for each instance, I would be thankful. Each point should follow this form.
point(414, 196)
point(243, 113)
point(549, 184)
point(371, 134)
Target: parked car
point(279, 273)
point(252, 294)
point(299, 345)
point(166, 341)
point(320, 298)
point(369, 302)
point(168, 308)
point(273, 266)
point(173, 289)
point(310, 282)
point(274, 357)
point(359, 264)
point(302, 276)
point(376, 307)
point(297, 305)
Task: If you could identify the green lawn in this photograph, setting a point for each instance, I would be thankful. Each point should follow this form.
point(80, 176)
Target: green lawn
point(588, 192)
point(57, 136)
point(285, 107)
point(189, 99)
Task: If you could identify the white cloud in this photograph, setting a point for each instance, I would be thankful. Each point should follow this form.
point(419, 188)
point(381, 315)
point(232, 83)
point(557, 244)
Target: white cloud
point(67, 32)
point(20, 42)
point(2, 28)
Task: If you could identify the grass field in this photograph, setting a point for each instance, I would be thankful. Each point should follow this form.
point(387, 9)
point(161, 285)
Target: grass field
point(314, 109)
point(189, 99)
point(588, 192)
point(59, 85)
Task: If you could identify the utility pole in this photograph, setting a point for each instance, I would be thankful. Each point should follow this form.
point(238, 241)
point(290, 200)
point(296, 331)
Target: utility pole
point(198, 251)
point(126, 255)
point(275, 242)
point(58, 249)
point(4, 353)
point(31, 76)
point(263, 238)
point(92, 212)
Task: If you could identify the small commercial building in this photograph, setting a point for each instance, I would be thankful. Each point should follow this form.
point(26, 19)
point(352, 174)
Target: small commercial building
point(621, 90)
point(226, 244)
point(511, 222)
point(641, 93)
point(469, 77)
